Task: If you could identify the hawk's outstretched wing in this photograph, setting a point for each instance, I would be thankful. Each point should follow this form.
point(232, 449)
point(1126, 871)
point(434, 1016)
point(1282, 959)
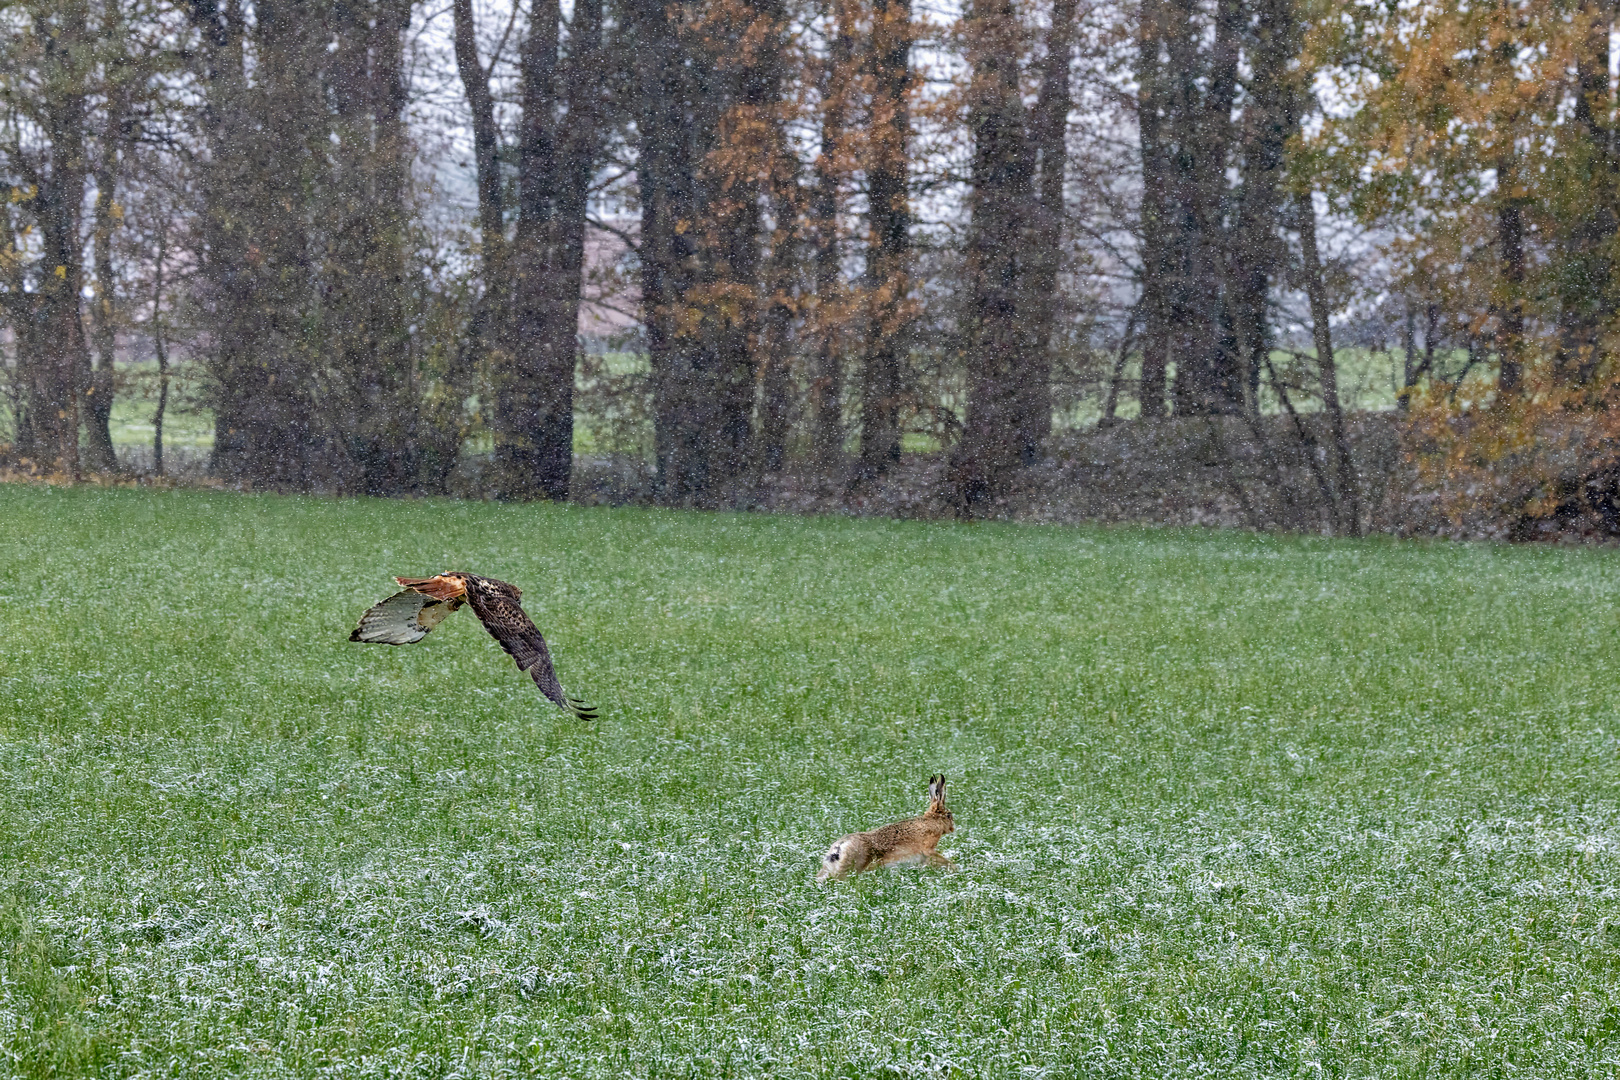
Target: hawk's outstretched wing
point(402, 619)
point(496, 605)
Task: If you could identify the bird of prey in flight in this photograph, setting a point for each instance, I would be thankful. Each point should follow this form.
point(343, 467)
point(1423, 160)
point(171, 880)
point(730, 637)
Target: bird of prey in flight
point(407, 617)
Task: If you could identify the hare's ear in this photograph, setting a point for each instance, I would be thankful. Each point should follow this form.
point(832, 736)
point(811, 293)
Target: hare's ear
point(936, 789)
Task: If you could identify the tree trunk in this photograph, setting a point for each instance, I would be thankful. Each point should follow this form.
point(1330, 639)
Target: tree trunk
point(98, 398)
point(1409, 361)
point(827, 385)
point(1127, 340)
point(579, 147)
point(708, 88)
point(671, 123)
point(1049, 128)
point(487, 345)
point(1153, 102)
point(1271, 116)
point(60, 372)
point(888, 340)
point(775, 361)
point(1510, 308)
point(780, 188)
point(731, 309)
point(996, 329)
point(18, 305)
point(532, 408)
point(1209, 380)
point(265, 142)
point(1346, 509)
point(534, 403)
point(1587, 295)
point(160, 346)
point(486, 141)
point(373, 406)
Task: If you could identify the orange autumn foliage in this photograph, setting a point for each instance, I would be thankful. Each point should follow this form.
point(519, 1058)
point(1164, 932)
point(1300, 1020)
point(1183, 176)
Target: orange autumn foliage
point(1541, 463)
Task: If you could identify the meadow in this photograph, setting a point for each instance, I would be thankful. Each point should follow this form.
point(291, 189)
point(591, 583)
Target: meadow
point(1227, 805)
point(608, 421)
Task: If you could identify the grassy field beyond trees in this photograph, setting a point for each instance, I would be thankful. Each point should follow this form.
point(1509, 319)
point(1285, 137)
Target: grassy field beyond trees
point(1227, 805)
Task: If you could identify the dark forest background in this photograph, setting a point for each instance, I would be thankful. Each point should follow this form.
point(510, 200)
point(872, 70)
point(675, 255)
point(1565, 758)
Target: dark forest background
point(377, 244)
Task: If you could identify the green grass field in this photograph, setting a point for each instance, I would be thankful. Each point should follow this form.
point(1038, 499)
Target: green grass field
point(1227, 805)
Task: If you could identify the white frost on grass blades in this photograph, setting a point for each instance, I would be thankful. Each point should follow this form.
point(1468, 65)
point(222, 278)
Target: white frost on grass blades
point(390, 928)
point(237, 854)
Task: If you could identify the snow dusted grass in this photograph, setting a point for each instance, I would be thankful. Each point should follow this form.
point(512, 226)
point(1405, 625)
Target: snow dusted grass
point(1227, 805)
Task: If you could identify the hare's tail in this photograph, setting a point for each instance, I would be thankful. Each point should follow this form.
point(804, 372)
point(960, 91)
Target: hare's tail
point(837, 862)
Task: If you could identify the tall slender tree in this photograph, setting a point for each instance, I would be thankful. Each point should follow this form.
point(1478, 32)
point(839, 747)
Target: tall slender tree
point(487, 332)
point(675, 123)
point(1254, 253)
point(742, 38)
point(1587, 289)
point(120, 78)
point(1218, 88)
point(160, 343)
point(889, 314)
point(838, 85)
point(54, 168)
point(1153, 102)
point(1208, 374)
point(1049, 137)
point(557, 146)
point(262, 164)
point(1346, 501)
point(368, 219)
point(783, 190)
point(997, 324)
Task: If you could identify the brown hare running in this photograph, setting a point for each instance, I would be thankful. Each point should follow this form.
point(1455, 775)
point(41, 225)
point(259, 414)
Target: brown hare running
point(903, 843)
